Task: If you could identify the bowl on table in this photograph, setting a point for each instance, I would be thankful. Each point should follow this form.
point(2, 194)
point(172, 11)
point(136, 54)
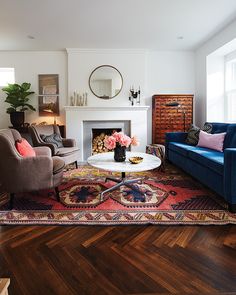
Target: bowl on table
point(135, 160)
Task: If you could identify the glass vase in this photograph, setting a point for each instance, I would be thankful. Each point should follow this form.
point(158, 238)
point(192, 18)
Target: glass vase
point(119, 153)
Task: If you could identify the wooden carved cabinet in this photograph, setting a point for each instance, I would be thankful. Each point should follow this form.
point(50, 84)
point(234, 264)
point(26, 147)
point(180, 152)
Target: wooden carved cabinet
point(170, 113)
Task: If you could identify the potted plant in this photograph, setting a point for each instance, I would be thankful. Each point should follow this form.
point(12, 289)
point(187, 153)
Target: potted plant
point(17, 97)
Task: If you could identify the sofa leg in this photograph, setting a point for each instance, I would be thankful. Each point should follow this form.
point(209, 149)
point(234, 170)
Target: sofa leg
point(57, 194)
point(76, 164)
point(232, 208)
point(11, 201)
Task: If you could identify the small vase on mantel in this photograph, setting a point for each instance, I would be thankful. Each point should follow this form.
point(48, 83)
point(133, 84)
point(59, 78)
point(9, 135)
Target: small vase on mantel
point(119, 153)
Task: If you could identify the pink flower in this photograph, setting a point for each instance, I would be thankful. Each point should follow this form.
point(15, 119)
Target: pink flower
point(134, 140)
point(110, 142)
point(125, 141)
point(118, 136)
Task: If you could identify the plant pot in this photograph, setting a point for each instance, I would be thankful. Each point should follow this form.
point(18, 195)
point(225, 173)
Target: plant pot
point(17, 119)
point(119, 153)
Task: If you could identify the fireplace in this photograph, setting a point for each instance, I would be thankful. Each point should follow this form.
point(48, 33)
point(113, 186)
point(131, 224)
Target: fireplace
point(95, 132)
point(131, 119)
point(98, 138)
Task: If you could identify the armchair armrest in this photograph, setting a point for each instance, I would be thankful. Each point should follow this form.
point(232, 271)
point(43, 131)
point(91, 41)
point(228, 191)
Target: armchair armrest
point(33, 173)
point(68, 142)
point(43, 151)
point(230, 175)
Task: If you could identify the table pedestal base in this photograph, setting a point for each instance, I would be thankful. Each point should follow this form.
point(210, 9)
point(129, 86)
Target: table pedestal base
point(122, 181)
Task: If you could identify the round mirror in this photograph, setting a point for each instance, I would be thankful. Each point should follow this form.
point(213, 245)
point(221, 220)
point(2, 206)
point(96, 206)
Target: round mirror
point(105, 82)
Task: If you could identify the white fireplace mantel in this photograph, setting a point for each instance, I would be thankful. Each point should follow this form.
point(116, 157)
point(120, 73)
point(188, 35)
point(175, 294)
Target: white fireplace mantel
point(112, 108)
point(136, 115)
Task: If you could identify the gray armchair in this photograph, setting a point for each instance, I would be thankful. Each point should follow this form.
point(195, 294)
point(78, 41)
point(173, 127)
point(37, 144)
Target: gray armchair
point(25, 174)
point(69, 151)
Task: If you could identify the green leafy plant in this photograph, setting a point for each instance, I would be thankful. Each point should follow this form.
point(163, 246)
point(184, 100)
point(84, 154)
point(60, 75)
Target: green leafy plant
point(17, 97)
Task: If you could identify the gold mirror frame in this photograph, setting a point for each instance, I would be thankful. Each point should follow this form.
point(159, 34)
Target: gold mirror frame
point(105, 97)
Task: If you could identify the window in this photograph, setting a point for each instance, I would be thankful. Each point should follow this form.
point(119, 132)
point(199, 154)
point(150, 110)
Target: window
point(230, 90)
point(7, 75)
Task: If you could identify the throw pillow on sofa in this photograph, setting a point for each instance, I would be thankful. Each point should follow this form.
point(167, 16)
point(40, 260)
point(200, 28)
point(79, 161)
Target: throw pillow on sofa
point(24, 148)
point(54, 139)
point(211, 141)
point(193, 133)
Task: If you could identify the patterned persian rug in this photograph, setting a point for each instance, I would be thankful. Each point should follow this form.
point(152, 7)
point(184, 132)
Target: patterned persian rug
point(172, 197)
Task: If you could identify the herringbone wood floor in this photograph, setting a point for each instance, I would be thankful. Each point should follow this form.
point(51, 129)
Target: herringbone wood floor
point(119, 260)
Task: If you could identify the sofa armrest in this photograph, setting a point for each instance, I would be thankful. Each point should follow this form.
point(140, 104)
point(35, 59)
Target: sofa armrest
point(230, 175)
point(68, 142)
point(174, 137)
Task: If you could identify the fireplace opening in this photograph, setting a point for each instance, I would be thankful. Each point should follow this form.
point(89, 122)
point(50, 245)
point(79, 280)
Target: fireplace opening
point(98, 137)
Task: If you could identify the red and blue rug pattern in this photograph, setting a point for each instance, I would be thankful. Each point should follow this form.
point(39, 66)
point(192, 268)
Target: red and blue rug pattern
point(172, 197)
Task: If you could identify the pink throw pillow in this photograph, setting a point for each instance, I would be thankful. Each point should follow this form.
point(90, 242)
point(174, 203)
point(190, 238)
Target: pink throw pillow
point(211, 141)
point(24, 148)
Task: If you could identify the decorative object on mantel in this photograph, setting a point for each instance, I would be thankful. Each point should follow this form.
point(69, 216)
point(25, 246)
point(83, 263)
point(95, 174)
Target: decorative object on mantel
point(78, 99)
point(118, 142)
point(49, 95)
point(17, 97)
point(134, 96)
point(105, 82)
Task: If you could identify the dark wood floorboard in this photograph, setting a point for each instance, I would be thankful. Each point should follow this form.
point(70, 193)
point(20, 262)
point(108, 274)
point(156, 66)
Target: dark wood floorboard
point(132, 260)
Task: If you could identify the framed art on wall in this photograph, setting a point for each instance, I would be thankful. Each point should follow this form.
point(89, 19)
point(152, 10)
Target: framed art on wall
point(48, 98)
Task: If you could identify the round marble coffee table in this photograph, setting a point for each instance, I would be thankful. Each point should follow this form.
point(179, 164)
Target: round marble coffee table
point(106, 161)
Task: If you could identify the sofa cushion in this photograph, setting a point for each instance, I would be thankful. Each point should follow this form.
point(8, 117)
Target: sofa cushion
point(181, 148)
point(193, 133)
point(209, 158)
point(66, 151)
point(211, 141)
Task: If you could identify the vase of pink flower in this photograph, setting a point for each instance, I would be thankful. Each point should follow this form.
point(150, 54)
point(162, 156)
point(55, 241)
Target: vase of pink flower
point(118, 142)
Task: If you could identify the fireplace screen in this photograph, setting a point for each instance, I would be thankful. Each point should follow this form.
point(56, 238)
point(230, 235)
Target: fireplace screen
point(98, 136)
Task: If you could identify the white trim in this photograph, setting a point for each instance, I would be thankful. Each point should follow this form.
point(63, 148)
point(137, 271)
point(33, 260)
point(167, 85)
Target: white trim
point(116, 108)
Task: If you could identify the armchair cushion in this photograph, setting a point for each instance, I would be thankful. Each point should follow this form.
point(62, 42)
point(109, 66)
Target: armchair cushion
point(24, 148)
point(66, 151)
point(54, 139)
point(58, 164)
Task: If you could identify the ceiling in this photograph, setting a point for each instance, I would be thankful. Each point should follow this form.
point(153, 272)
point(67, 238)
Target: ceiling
point(149, 24)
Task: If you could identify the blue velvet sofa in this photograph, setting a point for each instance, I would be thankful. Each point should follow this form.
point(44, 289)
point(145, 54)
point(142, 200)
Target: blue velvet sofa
point(216, 170)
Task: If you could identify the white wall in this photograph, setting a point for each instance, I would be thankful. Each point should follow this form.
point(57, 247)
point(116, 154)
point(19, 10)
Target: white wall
point(131, 64)
point(215, 88)
point(28, 64)
point(169, 72)
point(155, 72)
point(222, 38)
